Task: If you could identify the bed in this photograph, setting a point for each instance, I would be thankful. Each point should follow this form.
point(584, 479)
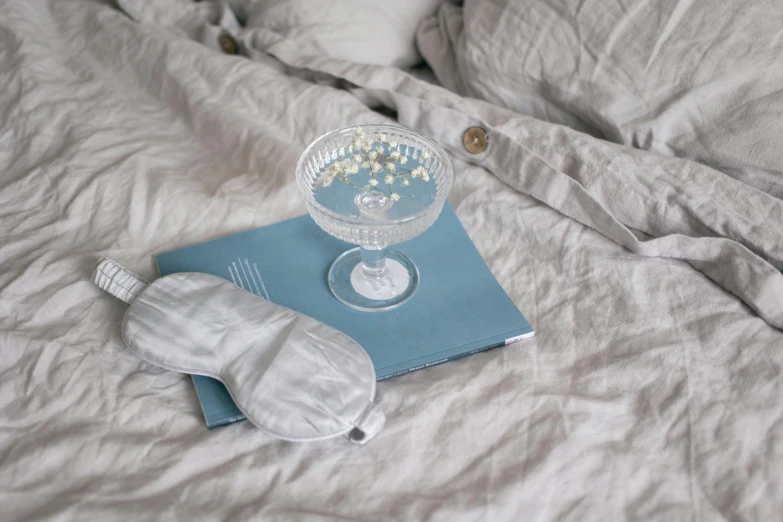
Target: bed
point(651, 273)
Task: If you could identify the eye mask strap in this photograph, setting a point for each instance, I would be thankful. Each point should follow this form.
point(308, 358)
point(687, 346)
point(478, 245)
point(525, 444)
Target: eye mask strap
point(369, 423)
point(118, 280)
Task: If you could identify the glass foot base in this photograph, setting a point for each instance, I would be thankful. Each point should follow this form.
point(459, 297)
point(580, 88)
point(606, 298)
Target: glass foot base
point(352, 287)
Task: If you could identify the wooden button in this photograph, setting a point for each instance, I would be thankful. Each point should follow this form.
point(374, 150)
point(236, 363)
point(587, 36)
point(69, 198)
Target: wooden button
point(228, 44)
point(475, 140)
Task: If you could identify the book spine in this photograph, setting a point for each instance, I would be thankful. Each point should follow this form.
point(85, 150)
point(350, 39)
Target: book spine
point(225, 422)
point(444, 360)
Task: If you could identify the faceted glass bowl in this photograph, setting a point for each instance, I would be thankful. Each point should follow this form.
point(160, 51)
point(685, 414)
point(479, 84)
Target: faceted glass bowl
point(374, 186)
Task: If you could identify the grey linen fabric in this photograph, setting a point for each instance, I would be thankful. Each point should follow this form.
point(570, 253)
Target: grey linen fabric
point(650, 392)
point(693, 79)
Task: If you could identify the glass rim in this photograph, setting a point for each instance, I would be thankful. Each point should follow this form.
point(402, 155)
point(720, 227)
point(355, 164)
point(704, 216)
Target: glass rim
point(358, 222)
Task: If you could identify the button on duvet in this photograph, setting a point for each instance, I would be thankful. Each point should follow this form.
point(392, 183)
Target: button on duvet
point(227, 43)
point(475, 140)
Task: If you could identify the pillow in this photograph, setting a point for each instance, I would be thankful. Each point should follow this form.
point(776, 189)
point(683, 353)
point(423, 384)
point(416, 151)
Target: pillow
point(376, 32)
point(700, 80)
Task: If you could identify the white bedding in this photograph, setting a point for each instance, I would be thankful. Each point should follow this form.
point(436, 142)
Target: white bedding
point(649, 393)
point(693, 79)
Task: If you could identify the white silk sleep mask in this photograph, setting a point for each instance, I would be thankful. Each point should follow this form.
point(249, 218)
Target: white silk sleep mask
point(292, 376)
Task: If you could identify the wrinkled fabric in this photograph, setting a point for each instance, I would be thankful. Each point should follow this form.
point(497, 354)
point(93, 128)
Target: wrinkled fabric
point(693, 79)
point(365, 31)
point(290, 375)
point(648, 393)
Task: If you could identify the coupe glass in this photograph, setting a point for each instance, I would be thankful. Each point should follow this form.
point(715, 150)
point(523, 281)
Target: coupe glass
point(374, 186)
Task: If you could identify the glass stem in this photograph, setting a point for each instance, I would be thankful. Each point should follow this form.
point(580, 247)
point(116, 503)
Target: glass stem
point(373, 262)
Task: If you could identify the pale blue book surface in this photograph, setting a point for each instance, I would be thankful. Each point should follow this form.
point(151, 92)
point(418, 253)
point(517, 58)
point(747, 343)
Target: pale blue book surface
point(459, 308)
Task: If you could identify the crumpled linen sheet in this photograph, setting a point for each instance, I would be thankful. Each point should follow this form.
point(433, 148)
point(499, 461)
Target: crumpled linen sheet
point(650, 392)
point(692, 79)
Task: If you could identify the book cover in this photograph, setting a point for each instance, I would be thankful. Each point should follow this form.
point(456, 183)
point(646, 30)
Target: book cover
point(459, 308)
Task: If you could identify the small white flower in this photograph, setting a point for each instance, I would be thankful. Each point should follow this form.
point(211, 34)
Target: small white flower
point(415, 173)
point(389, 179)
point(390, 167)
point(381, 137)
point(366, 147)
point(406, 182)
point(425, 176)
point(376, 167)
point(395, 196)
point(357, 157)
point(354, 168)
point(365, 164)
point(395, 155)
point(373, 155)
point(403, 160)
point(392, 144)
point(374, 182)
point(334, 169)
point(425, 154)
point(357, 142)
point(362, 135)
point(379, 149)
point(346, 169)
point(357, 130)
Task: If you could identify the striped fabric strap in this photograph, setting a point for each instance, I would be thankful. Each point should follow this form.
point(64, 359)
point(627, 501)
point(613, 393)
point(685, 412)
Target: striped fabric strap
point(120, 282)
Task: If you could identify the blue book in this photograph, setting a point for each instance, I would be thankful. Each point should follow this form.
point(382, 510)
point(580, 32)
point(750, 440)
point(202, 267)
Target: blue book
point(459, 308)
